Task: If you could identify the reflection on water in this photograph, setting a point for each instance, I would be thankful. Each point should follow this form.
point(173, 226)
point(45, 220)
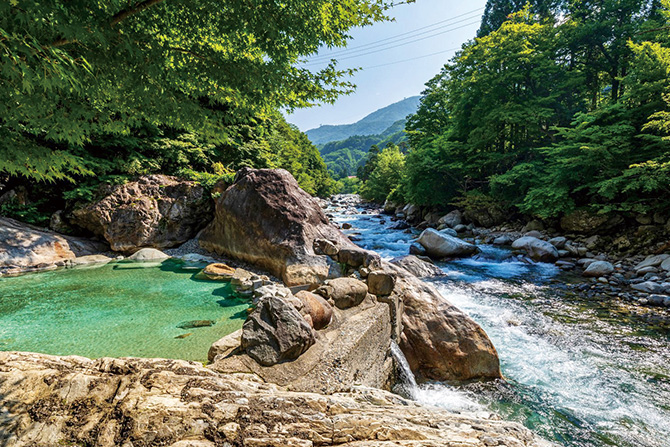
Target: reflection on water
point(580, 371)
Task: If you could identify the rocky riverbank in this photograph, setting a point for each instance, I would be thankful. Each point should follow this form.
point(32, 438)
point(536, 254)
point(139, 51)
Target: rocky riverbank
point(640, 276)
point(327, 328)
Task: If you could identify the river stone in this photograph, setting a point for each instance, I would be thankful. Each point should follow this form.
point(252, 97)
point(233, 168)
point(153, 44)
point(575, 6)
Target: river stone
point(417, 250)
point(275, 331)
point(417, 267)
point(439, 245)
point(652, 261)
point(649, 287)
point(155, 211)
point(264, 218)
point(380, 283)
point(344, 292)
point(534, 233)
point(356, 257)
point(598, 269)
point(585, 222)
point(558, 242)
point(451, 219)
point(219, 271)
point(148, 254)
point(325, 247)
point(92, 259)
point(25, 246)
point(319, 310)
point(502, 240)
point(449, 231)
point(533, 225)
point(538, 250)
point(665, 265)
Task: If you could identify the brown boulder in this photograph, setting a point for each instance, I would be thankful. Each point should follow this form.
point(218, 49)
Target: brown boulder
point(439, 341)
point(264, 218)
point(155, 211)
point(320, 311)
point(344, 292)
point(586, 222)
point(219, 272)
point(381, 283)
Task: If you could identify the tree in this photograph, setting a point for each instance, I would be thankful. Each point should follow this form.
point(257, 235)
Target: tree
point(386, 174)
point(73, 71)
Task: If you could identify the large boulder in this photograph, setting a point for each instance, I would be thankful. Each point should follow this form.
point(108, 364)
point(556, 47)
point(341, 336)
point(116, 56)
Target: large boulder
point(155, 211)
point(23, 247)
point(439, 341)
point(316, 310)
point(440, 245)
point(56, 401)
point(275, 331)
point(586, 222)
point(265, 219)
point(537, 249)
point(486, 216)
point(451, 219)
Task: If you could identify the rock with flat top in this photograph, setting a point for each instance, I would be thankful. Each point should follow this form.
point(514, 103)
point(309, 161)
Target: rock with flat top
point(537, 249)
point(417, 267)
point(148, 254)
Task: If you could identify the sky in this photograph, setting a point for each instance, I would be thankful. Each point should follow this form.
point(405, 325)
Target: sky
point(397, 58)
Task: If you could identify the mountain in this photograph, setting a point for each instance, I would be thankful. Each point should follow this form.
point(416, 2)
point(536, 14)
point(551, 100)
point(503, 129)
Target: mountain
point(344, 157)
point(374, 124)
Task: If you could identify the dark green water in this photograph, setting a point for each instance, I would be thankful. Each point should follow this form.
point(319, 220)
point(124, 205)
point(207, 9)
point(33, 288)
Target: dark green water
point(116, 310)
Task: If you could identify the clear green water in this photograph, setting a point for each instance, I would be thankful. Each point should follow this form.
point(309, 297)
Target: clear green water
point(116, 310)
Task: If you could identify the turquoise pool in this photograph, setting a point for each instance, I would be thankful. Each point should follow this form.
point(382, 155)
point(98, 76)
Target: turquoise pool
point(117, 310)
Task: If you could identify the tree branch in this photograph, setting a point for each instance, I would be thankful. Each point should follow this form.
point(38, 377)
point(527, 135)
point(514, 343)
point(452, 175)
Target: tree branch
point(123, 15)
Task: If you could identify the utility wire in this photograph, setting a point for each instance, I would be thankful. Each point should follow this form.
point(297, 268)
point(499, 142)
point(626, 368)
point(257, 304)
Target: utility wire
point(375, 43)
point(411, 59)
point(396, 46)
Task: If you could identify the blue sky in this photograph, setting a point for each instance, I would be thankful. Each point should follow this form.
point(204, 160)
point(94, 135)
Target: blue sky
point(420, 29)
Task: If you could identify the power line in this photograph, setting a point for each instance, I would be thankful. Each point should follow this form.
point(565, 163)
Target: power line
point(396, 46)
point(361, 47)
point(412, 59)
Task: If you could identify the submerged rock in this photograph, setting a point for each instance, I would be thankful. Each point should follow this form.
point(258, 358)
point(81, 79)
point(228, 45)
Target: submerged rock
point(195, 324)
point(440, 245)
point(265, 219)
point(155, 211)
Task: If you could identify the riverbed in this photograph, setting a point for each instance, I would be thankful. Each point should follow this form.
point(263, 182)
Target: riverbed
point(579, 371)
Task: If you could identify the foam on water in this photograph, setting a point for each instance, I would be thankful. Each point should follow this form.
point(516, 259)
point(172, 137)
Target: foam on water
point(578, 372)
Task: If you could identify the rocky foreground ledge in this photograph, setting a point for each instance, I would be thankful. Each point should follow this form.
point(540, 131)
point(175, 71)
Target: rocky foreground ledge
point(51, 401)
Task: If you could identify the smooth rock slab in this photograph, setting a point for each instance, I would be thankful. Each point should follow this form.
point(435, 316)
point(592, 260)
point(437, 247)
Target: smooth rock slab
point(148, 254)
point(156, 402)
point(417, 267)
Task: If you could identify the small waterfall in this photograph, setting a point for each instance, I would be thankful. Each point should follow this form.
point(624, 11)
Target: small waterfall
point(406, 385)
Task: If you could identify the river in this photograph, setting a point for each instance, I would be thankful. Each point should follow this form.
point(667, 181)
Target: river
point(579, 371)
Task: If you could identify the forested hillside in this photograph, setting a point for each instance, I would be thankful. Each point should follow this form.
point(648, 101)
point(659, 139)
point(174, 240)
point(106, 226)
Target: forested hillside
point(343, 158)
point(94, 92)
point(562, 106)
point(373, 124)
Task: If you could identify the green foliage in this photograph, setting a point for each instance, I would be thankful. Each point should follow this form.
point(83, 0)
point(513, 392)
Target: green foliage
point(73, 72)
point(343, 158)
point(349, 185)
point(385, 176)
point(550, 117)
point(28, 212)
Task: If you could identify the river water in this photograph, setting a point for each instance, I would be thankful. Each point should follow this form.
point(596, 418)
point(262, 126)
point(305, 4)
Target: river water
point(579, 371)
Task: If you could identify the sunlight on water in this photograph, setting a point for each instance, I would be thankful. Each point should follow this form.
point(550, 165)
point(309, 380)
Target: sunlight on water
point(116, 310)
point(577, 372)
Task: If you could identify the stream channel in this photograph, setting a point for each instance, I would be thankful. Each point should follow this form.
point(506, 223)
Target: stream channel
point(579, 371)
